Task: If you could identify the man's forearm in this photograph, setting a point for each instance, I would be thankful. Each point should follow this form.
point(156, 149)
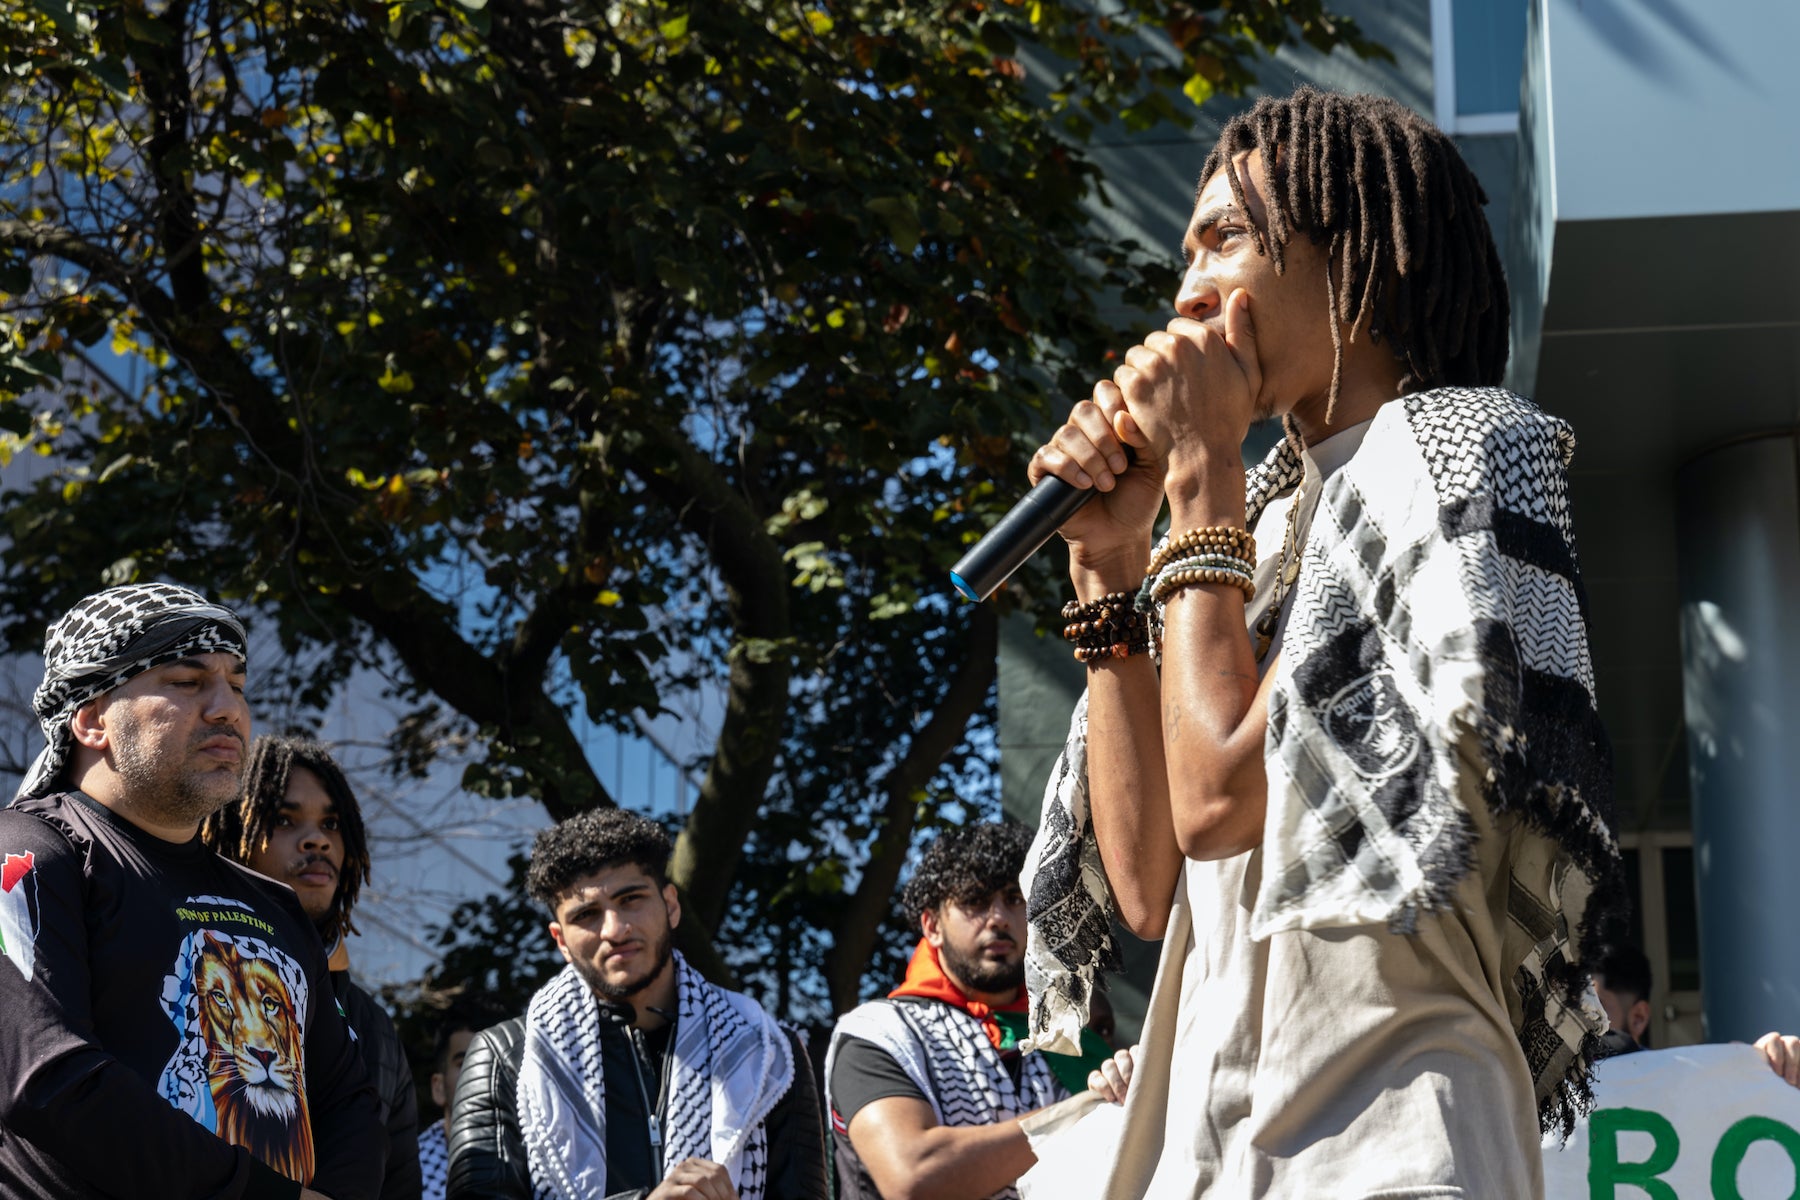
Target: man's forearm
point(963, 1162)
point(1128, 792)
point(1214, 714)
point(1128, 788)
point(1214, 705)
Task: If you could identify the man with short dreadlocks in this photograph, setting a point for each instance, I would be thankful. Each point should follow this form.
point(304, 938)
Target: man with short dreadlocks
point(1339, 747)
point(297, 820)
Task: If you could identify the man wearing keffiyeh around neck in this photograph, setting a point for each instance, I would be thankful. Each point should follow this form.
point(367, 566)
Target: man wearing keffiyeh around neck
point(925, 1088)
point(1340, 748)
point(630, 1077)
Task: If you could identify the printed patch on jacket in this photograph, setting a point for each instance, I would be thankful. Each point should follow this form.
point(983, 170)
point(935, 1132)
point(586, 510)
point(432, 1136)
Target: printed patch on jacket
point(19, 911)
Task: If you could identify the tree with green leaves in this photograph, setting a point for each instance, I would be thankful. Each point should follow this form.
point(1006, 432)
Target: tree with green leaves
point(560, 358)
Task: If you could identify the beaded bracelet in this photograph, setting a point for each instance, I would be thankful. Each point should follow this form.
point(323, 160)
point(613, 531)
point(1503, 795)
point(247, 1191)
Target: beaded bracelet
point(1226, 568)
point(1212, 560)
point(1089, 655)
point(1187, 572)
point(1108, 627)
point(1111, 613)
point(1076, 610)
point(1193, 576)
point(1209, 539)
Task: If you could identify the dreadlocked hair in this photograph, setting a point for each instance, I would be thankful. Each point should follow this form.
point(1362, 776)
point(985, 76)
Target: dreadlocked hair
point(967, 865)
point(1408, 250)
point(241, 830)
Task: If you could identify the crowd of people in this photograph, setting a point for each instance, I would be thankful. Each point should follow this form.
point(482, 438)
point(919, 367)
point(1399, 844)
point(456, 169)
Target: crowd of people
point(178, 971)
point(1339, 752)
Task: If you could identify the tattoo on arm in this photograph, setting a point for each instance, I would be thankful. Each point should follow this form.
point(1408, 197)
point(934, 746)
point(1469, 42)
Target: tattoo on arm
point(1172, 722)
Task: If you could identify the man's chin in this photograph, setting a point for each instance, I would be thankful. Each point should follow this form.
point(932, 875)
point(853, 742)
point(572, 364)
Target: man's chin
point(621, 988)
point(619, 985)
point(315, 911)
point(204, 793)
point(999, 977)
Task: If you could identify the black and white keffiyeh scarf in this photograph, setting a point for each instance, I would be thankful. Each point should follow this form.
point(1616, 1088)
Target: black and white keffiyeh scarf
point(1436, 650)
point(946, 1054)
point(108, 639)
point(730, 1065)
point(434, 1161)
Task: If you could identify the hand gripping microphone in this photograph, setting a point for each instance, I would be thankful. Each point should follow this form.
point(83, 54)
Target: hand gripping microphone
point(1019, 534)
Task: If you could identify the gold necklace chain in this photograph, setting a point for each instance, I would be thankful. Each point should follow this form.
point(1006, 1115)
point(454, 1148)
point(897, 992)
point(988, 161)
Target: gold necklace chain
point(1287, 569)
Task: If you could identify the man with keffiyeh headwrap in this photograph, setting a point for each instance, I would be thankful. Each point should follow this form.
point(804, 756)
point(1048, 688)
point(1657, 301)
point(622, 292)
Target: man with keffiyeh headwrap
point(156, 996)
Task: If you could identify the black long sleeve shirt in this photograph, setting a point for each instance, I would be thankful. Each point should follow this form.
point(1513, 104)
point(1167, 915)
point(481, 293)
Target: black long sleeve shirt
point(167, 1025)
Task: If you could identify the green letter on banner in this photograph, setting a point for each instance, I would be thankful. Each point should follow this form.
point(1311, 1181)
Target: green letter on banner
point(1737, 1142)
point(1606, 1172)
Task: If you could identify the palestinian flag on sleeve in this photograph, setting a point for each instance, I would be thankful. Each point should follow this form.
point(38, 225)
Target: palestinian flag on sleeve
point(19, 911)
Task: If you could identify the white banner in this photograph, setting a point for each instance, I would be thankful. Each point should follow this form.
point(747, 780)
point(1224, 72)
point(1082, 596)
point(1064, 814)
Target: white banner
point(1696, 1123)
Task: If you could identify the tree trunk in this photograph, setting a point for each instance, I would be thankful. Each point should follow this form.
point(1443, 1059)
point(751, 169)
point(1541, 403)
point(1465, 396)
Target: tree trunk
point(853, 938)
point(756, 582)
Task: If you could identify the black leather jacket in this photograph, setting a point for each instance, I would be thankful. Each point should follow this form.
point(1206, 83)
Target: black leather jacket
point(487, 1151)
point(385, 1059)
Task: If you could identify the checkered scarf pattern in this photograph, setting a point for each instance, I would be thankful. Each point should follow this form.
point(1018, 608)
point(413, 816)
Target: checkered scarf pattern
point(947, 1055)
point(731, 1065)
point(1436, 649)
point(434, 1161)
point(105, 641)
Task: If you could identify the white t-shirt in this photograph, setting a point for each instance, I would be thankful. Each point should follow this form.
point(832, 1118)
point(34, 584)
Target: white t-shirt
point(1352, 1063)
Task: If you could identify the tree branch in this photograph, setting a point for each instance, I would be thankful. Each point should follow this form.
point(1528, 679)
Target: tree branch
point(419, 628)
point(756, 585)
point(854, 934)
point(422, 631)
point(539, 634)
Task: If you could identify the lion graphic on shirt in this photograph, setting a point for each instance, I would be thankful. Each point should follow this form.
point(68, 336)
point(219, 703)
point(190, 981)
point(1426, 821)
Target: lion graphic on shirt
point(254, 1063)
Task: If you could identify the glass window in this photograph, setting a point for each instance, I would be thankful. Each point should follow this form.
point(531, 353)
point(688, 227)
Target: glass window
point(1489, 37)
point(1683, 918)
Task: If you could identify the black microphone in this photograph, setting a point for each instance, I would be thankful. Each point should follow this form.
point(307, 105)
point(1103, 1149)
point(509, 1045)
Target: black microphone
point(1019, 534)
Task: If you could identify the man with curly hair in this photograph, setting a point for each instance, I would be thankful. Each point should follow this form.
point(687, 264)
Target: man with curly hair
point(926, 1087)
point(630, 1075)
point(297, 820)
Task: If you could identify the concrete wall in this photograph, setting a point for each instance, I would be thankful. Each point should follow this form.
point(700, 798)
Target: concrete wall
point(1672, 107)
point(1656, 299)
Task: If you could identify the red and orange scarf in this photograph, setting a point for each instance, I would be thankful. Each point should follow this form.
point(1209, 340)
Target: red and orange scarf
point(925, 978)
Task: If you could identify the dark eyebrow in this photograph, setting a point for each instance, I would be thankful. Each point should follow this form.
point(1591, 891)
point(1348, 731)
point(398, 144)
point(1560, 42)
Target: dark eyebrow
point(238, 667)
point(1203, 223)
point(286, 805)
